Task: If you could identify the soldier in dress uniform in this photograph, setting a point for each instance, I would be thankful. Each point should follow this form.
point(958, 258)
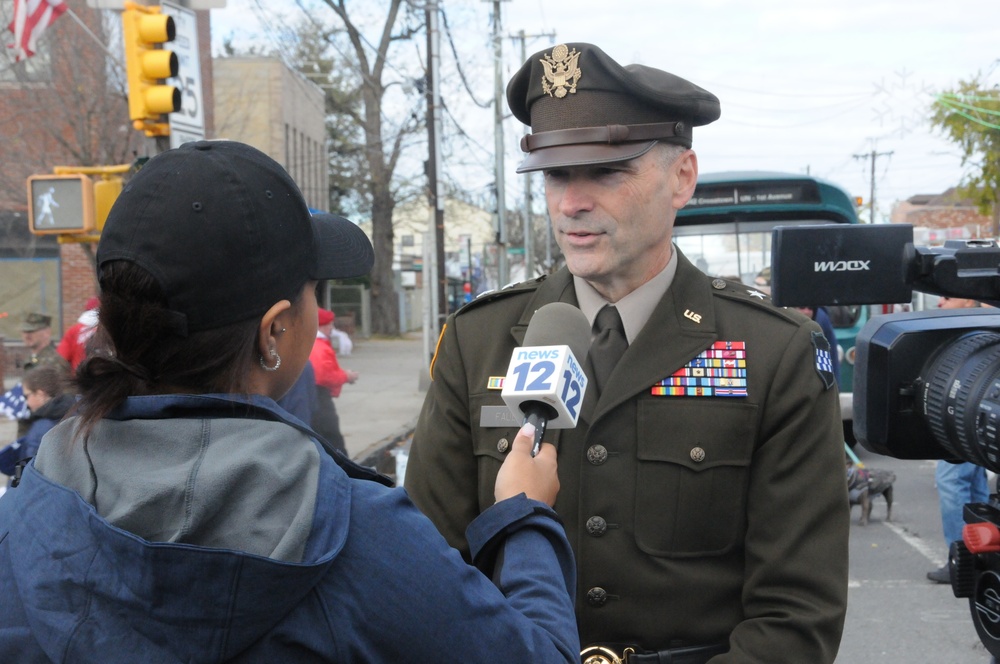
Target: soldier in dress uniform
point(703, 488)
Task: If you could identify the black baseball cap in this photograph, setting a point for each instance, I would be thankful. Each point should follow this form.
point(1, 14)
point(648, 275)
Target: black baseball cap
point(226, 233)
point(584, 108)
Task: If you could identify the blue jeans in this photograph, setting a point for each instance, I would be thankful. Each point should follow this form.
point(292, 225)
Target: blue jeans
point(958, 484)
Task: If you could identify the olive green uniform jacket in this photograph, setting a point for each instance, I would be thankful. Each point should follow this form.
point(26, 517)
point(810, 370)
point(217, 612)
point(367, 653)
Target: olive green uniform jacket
point(695, 520)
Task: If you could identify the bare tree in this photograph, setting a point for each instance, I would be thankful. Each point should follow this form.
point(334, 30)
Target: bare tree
point(383, 140)
point(69, 107)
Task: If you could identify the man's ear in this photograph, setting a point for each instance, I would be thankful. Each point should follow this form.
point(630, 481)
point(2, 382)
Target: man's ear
point(686, 171)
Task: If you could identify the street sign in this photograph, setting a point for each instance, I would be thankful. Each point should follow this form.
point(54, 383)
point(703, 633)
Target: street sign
point(188, 124)
point(60, 204)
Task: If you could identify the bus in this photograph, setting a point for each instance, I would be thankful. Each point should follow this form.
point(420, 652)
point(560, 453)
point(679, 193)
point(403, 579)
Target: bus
point(725, 229)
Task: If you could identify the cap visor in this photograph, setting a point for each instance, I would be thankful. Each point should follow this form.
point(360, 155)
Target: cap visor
point(582, 154)
point(342, 249)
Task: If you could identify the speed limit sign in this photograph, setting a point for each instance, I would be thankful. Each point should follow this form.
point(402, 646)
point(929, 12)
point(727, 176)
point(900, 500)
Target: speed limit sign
point(187, 124)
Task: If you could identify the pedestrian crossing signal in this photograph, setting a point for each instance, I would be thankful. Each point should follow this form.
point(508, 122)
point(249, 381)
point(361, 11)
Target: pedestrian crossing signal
point(60, 204)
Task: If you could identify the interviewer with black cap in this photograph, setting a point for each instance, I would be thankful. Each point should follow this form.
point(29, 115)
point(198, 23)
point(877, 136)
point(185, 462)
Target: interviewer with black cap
point(703, 489)
point(183, 516)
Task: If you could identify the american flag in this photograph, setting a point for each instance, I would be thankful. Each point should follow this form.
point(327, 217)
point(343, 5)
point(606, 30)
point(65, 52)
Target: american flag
point(13, 405)
point(31, 18)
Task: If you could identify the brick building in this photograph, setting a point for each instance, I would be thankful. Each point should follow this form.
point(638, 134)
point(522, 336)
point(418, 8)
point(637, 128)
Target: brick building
point(65, 106)
point(945, 216)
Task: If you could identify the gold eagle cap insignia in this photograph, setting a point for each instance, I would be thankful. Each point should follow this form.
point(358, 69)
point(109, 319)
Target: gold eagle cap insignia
point(561, 71)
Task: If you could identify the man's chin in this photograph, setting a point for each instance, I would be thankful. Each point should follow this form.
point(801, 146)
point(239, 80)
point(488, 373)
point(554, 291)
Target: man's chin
point(586, 270)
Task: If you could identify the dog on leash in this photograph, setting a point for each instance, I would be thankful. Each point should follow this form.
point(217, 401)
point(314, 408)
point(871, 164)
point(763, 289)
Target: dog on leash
point(864, 484)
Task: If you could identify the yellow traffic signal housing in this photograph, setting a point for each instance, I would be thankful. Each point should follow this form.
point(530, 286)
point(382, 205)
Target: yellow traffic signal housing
point(106, 192)
point(60, 204)
point(145, 30)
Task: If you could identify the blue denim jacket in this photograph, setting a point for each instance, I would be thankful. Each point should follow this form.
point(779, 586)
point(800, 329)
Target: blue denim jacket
point(376, 582)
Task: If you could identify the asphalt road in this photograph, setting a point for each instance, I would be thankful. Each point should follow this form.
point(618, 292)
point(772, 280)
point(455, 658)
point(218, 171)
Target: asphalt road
point(894, 614)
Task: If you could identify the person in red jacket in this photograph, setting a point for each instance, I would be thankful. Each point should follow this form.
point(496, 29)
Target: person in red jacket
point(330, 378)
point(73, 346)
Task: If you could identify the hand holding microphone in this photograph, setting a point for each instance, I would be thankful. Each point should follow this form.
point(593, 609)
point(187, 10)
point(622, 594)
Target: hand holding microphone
point(523, 472)
point(545, 382)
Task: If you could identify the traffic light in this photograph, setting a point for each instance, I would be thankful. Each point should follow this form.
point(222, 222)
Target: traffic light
point(60, 204)
point(147, 63)
point(106, 191)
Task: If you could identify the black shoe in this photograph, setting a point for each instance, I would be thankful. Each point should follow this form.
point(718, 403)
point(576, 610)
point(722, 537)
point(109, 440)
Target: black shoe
point(940, 575)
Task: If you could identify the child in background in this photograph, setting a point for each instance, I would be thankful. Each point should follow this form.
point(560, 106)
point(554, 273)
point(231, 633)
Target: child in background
point(44, 391)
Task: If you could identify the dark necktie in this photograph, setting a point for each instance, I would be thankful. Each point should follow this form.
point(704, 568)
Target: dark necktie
point(608, 346)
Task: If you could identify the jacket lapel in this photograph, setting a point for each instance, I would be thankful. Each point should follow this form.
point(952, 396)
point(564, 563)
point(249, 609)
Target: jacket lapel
point(681, 326)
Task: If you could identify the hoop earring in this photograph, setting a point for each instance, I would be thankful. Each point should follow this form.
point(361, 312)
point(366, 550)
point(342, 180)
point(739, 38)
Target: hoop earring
point(277, 361)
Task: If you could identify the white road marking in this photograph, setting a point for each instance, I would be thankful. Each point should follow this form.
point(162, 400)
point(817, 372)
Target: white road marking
point(921, 546)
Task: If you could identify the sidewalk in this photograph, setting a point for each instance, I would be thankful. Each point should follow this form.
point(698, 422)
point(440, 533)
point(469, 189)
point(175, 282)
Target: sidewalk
point(384, 402)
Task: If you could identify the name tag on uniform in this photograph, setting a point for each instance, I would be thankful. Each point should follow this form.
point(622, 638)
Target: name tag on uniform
point(495, 417)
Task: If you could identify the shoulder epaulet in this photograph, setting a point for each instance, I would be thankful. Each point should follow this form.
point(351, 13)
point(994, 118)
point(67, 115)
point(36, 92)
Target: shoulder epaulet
point(741, 292)
point(506, 291)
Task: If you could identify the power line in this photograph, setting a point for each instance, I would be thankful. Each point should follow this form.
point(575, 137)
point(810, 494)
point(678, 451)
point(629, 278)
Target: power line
point(458, 64)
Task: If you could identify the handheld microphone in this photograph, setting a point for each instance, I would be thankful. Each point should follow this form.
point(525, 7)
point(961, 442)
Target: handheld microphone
point(544, 381)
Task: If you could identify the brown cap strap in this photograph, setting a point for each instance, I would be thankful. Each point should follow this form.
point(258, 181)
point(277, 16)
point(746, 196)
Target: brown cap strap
point(609, 134)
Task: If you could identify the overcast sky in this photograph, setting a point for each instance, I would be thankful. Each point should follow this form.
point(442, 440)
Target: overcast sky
point(803, 85)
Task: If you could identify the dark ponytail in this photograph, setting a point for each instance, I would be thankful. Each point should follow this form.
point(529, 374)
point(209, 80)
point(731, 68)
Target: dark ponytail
point(135, 351)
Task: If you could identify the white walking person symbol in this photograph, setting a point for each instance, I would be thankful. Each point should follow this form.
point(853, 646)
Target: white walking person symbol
point(45, 203)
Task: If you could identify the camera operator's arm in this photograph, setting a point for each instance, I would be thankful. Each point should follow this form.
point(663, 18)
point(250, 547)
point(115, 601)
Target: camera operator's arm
point(795, 584)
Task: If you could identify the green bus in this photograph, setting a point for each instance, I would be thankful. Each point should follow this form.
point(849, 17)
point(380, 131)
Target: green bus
point(725, 229)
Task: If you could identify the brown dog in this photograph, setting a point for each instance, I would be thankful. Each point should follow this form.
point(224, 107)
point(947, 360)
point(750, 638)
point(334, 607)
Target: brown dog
point(863, 484)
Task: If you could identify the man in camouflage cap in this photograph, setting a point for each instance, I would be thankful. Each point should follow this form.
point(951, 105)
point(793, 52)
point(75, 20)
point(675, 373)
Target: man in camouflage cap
point(36, 333)
point(703, 487)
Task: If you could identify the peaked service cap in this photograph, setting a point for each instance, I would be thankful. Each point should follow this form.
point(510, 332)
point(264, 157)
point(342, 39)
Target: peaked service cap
point(226, 233)
point(35, 321)
point(585, 108)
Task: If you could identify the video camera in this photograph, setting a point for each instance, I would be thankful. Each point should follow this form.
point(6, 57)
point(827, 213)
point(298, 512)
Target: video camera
point(926, 384)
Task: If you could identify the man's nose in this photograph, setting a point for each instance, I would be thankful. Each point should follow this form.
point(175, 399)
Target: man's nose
point(576, 198)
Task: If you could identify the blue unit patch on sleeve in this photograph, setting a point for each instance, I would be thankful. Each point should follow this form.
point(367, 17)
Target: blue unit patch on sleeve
point(824, 363)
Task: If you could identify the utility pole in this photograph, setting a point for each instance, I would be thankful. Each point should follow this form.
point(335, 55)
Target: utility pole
point(873, 155)
point(503, 270)
point(439, 297)
point(529, 254)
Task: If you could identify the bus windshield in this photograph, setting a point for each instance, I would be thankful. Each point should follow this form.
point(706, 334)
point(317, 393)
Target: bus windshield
point(734, 250)
point(726, 231)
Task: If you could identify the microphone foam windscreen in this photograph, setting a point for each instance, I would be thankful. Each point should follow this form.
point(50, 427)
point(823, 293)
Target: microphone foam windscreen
point(556, 324)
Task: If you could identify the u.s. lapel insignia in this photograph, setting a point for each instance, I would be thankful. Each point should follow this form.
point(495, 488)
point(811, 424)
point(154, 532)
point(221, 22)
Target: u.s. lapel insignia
point(495, 383)
point(719, 371)
point(690, 315)
point(824, 362)
point(561, 72)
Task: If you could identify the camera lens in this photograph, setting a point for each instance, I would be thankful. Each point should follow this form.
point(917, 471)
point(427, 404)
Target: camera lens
point(961, 397)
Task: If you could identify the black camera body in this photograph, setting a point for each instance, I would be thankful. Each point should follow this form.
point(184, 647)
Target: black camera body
point(926, 384)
